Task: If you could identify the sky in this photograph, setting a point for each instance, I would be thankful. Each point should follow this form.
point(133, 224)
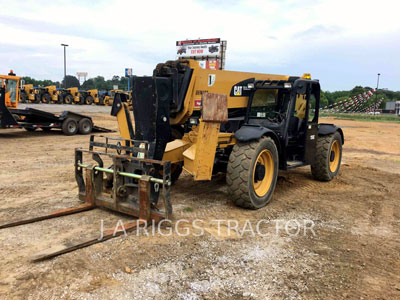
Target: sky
point(341, 43)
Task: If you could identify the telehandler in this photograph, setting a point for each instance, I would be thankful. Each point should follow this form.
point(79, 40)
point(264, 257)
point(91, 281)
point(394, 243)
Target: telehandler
point(247, 125)
point(50, 94)
point(72, 96)
point(29, 94)
point(91, 96)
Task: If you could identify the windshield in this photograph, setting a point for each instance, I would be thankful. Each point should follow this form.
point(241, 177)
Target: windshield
point(12, 89)
point(269, 104)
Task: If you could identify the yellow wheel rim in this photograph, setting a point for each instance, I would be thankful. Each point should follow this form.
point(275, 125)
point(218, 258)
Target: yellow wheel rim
point(334, 156)
point(266, 162)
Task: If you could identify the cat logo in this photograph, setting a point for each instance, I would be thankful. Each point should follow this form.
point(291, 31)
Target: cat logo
point(211, 79)
point(237, 90)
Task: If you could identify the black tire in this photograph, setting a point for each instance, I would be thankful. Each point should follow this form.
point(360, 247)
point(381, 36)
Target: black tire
point(81, 100)
point(46, 98)
point(242, 173)
point(68, 99)
point(89, 100)
point(37, 99)
point(24, 97)
point(323, 168)
point(69, 126)
point(85, 126)
point(30, 129)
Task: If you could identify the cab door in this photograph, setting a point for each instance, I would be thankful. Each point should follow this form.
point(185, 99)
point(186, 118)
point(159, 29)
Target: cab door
point(311, 136)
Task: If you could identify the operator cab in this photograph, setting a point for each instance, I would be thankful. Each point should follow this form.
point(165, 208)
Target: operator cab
point(10, 84)
point(288, 109)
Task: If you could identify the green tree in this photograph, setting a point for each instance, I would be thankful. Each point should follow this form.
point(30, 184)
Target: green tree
point(70, 81)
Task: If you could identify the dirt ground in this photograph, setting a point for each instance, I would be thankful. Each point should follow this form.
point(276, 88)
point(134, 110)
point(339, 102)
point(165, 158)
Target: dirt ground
point(353, 251)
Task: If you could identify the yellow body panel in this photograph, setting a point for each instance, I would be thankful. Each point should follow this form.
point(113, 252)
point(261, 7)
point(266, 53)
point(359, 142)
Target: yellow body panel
point(219, 82)
point(199, 158)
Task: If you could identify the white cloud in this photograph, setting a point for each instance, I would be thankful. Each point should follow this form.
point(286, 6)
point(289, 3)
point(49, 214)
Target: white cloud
point(107, 36)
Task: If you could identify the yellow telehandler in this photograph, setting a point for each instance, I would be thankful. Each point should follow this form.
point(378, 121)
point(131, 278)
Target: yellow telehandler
point(29, 94)
point(246, 125)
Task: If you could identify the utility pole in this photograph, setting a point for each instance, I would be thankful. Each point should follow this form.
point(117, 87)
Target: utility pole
point(65, 65)
point(376, 93)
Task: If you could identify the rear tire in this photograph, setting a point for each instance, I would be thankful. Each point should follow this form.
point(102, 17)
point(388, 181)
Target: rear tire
point(46, 98)
point(37, 98)
point(85, 126)
point(328, 157)
point(89, 100)
point(69, 126)
point(252, 173)
point(68, 99)
point(24, 97)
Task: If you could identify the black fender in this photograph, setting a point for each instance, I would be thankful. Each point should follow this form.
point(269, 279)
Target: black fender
point(247, 133)
point(325, 129)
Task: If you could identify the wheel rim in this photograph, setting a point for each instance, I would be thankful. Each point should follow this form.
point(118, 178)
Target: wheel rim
point(71, 127)
point(86, 127)
point(264, 166)
point(334, 156)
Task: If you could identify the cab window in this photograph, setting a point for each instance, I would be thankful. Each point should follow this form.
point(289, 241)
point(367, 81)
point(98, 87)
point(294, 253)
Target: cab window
point(300, 107)
point(267, 103)
point(12, 90)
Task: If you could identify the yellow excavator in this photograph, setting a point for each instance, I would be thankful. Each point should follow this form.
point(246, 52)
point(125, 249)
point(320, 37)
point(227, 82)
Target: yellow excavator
point(246, 125)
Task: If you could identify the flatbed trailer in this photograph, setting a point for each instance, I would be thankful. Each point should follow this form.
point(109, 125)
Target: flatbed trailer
point(30, 119)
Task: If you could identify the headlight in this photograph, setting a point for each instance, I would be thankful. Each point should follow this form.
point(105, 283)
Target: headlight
point(287, 85)
point(194, 121)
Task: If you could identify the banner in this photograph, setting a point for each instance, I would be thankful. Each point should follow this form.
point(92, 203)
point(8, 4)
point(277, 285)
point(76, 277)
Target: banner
point(199, 48)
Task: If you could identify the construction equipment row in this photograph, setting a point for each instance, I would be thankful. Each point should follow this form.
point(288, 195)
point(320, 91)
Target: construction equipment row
point(53, 95)
point(31, 119)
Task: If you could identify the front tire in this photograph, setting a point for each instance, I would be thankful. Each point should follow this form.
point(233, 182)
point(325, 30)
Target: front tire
point(252, 173)
point(328, 157)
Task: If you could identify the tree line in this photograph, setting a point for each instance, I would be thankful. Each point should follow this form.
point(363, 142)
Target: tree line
point(102, 84)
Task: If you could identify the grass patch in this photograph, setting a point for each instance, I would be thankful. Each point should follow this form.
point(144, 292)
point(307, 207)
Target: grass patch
point(364, 117)
point(188, 209)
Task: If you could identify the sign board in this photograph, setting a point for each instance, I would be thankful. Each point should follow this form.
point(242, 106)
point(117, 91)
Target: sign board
point(210, 64)
point(115, 87)
point(128, 72)
point(199, 48)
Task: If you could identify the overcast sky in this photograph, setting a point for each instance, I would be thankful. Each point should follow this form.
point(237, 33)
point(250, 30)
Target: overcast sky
point(341, 43)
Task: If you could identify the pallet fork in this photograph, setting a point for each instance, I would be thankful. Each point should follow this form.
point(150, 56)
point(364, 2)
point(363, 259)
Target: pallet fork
point(132, 186)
